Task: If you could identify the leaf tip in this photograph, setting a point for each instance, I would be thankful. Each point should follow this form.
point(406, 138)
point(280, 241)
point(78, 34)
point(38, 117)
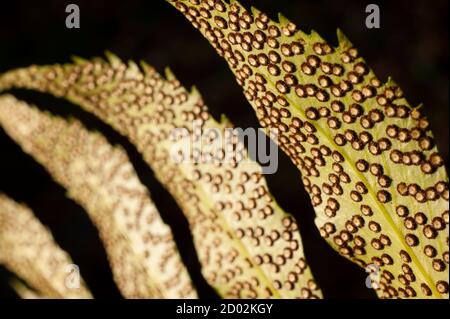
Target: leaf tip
point(255, 12)
point(170, 76)
point(146, 68)
point(113, 59)
point(225, 121)
point(344, 42)
point(78, 60)
point(194, 91)
point(282, 19)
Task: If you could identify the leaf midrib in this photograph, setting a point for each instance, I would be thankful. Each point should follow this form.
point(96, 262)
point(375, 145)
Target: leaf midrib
point(242, 248)
point(384, 211)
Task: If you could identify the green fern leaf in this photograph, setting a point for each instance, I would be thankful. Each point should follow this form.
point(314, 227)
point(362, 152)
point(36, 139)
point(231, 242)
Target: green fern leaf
point(368, 160)
point(247, 245)
point(28, 249)
point(143, 256)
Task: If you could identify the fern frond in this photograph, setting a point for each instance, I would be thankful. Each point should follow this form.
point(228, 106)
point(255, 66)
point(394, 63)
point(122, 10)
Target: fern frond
point(143, 255)
point(368, 159)
point(247, 245)
point(28, 249)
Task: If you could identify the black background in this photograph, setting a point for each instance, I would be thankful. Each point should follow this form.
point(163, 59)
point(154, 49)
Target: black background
point(411, 46)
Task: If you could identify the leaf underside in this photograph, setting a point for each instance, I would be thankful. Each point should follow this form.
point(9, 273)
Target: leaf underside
point(28, 249)
point(140, 247)
point(368, 159)
point(247, 245)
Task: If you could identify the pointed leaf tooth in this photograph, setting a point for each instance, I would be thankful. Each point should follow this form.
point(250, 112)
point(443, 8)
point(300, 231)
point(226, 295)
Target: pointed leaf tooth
point(112, 59)
point(147, 69)
point(344, 42)
point(282, 20)
point(78, 60)
point(194, 92)
point(169, 74)
point(255, 11)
